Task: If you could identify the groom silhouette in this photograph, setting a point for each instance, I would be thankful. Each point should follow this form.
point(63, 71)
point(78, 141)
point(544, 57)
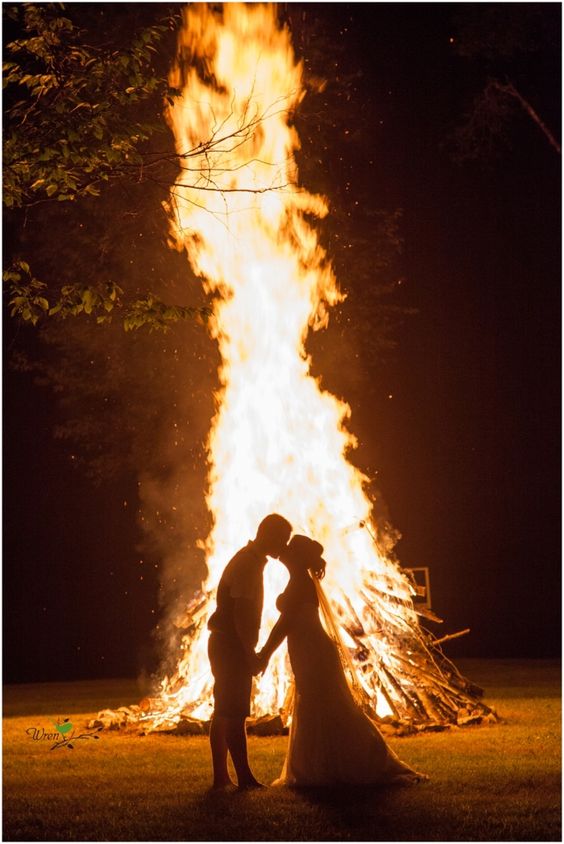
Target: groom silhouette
point(234, 630)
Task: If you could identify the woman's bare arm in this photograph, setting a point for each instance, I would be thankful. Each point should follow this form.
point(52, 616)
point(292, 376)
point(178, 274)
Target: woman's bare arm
point(277, 636)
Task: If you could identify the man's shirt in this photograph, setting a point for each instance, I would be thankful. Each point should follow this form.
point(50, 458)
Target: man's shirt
point(242, 578)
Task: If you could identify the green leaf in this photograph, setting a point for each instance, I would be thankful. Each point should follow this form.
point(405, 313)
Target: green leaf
point(88, 300)
point(51, 190)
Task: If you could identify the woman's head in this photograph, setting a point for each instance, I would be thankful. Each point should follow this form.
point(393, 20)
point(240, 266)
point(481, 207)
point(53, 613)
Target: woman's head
point(306, 553)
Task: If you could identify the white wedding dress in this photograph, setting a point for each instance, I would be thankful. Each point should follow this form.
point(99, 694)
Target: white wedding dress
point(331, 740)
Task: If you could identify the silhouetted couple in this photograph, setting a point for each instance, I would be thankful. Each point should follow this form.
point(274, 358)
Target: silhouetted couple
point(331, 740)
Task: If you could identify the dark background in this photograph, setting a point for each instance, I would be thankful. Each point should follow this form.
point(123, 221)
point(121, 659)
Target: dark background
point(466, 453)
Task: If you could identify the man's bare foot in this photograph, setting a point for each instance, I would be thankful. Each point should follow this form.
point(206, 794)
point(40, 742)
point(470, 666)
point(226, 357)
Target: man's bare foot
point(244, 785)
point(223, 785)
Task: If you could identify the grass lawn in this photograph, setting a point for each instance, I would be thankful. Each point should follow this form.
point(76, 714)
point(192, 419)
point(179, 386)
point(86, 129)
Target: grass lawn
point(493, 783)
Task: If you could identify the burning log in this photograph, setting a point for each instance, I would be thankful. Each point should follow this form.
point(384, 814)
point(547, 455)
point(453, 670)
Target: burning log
point(188, 727)
point(116, 719)
point(353, 625)
point(451, 636)
point(425, 612)
point(268, 725)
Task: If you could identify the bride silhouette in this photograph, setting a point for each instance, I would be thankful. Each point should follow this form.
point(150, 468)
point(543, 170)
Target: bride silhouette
point(331, 740)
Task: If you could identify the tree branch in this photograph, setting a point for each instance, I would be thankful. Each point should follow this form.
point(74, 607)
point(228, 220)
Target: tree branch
point(510, 90)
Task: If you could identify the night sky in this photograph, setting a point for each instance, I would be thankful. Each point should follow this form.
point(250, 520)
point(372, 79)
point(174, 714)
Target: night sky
point(459, 421)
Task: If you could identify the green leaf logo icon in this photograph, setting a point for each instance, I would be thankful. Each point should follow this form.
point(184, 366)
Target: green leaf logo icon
point(64, 727)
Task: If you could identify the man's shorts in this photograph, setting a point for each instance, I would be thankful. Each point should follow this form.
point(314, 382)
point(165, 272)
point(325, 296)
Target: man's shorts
point(232, 675)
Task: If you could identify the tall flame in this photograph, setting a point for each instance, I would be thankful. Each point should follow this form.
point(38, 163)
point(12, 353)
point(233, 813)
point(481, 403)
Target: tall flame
point(278, 441)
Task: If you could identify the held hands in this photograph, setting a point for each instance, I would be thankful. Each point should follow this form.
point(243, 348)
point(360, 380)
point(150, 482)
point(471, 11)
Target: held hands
point(259, 663)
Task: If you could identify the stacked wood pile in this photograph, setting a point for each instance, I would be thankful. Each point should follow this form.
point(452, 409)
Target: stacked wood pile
point(397, 659)
point(394, 660)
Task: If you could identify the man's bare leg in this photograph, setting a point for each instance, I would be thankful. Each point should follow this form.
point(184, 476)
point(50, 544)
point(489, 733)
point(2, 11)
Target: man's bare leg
point(237, 744)
point(218, 743)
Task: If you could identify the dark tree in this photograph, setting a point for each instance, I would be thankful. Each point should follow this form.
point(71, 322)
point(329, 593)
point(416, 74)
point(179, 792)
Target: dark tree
point(502, 43)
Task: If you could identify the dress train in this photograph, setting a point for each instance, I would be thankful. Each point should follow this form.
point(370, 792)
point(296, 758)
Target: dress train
point(332, 741)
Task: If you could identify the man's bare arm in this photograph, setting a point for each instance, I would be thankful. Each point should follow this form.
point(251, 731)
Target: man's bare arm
point(245, 628)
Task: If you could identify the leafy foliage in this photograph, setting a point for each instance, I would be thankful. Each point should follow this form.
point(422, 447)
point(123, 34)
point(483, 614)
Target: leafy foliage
point(28, 301)
point(73, 118)
point(79, 119)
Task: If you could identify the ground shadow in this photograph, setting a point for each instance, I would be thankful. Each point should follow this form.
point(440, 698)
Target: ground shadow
point(304, 814)
point(363, 812)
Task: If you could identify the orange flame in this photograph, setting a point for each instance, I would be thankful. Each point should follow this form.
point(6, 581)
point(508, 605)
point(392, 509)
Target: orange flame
point(278, 441)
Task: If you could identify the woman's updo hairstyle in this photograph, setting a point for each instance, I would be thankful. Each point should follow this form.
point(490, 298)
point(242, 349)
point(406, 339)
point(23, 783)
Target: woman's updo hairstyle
point(310, 552)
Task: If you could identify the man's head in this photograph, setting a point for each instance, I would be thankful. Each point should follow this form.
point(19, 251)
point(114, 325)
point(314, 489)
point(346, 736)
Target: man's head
point(273, 534)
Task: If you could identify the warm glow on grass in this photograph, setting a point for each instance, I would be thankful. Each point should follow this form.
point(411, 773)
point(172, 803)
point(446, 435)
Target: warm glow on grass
point(496, 783)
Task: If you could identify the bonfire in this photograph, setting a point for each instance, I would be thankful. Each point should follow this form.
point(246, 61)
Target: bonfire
point(279, 441)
